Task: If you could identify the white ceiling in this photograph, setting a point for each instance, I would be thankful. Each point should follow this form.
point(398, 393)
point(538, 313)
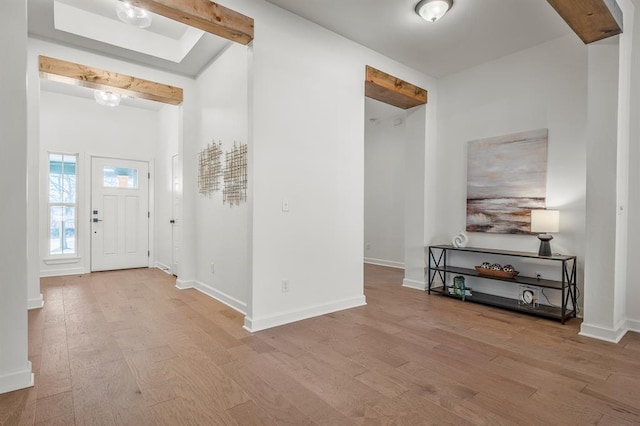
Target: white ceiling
point(93, 25)
point(473, 32)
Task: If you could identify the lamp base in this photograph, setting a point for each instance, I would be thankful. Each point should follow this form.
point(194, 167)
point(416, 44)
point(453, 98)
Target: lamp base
point(545, 247)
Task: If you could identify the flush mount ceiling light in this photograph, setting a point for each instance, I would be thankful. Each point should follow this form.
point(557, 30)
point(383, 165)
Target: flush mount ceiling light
point(133, 15)
point(432, 10)
point(106, 98)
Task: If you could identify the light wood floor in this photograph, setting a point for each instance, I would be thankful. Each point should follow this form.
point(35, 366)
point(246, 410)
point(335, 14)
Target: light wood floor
point(128, 348)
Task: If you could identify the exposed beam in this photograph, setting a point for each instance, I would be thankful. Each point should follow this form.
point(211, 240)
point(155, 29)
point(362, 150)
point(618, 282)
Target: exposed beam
point(391, 90)
point(96, 78)
point(591, 20)
point(205, 15)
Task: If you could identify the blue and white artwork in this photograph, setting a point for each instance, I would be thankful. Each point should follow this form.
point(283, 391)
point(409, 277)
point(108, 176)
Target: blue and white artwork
point(506, 179)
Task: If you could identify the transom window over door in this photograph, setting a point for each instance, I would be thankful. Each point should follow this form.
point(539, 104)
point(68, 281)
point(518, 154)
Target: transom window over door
point(63, 204)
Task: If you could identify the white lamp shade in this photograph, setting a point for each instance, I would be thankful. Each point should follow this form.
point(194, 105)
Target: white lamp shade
point(432, 10)
point(543, 221)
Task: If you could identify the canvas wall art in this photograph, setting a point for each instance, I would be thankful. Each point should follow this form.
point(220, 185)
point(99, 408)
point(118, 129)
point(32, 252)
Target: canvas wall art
point(506, 179)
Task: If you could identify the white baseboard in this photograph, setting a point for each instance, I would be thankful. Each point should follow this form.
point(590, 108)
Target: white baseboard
point(164, 268)
point(612, 335)
point(256, 324)
point(16, 380)
point(61, 272)
point(220, 296)
point(382, 262)
point(418, 285)
point(633, 325)
point(35, 303)
point(184, 284)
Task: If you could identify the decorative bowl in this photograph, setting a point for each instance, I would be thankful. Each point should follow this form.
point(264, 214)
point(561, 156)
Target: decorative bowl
point(496, 273)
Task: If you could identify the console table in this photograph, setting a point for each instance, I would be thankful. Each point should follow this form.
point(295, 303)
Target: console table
point(441, 273)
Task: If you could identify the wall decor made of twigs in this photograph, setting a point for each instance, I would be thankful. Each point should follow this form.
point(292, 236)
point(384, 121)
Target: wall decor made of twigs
point(210, 169)
point(234, 172)
point(235, 175)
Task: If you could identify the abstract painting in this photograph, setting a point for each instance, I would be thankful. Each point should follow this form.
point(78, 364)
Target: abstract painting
point(506, 179)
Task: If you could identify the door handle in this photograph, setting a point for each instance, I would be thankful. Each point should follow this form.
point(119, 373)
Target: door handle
point(96, 220)
point(172, 221)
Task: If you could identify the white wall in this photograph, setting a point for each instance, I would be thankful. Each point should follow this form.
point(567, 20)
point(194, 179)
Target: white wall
point(166, 146)
point(15, 368)
point(632, 27)
point(222, 237)
point(73, 125)
point(384, 186)
point(541, 87)
point(307, 91)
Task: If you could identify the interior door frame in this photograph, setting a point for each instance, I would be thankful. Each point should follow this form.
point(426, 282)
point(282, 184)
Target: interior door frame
point(88, 200)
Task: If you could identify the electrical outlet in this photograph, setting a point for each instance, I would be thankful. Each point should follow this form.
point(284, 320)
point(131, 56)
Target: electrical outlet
point(368, 246)
point(212, 268)
point(285, 286)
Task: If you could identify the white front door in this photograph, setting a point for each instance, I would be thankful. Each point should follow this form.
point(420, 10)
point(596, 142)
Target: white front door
point(176, 195)
point(119, 214)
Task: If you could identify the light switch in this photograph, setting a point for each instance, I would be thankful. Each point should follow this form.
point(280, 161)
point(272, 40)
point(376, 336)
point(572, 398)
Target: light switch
point(285, 205)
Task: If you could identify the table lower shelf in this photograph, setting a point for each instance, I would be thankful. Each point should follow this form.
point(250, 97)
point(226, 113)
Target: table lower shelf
point(545, 311)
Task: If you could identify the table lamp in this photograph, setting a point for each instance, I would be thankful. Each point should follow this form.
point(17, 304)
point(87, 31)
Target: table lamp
point(543, 222)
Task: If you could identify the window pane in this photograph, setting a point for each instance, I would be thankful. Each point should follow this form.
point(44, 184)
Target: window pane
point(55, 187)
point(55, 227)
point(69, 231)
point(120, 177)
point(69, 179)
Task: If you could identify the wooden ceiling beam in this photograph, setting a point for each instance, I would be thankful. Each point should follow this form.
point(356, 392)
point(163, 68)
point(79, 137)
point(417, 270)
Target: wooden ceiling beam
point(96, 78)
point(392, 90)
point(205, 15)
point(591, 20)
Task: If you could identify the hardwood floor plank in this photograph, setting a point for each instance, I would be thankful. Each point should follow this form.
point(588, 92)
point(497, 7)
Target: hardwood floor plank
point(276, 406)
point(127, 347)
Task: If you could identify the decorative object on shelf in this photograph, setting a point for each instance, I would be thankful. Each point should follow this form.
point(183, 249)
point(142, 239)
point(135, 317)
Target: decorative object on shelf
point(209, 169)
point(459, 288)
point(495, 267)
point(508, 268)
point(528, 296)
point(433, 10)
point(543, 222)
point(235, 175)
point(506, 179)
point(496, 272)
point(486, 265)
point(460, 240)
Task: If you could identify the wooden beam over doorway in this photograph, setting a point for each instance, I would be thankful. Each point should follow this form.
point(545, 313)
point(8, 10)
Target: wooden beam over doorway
point(96, 78)
point(392, 90)
point(591, 20)
point(205, 15)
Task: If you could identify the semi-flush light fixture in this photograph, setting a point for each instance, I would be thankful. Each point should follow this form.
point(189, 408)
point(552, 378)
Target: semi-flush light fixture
point(106, 98)
point(133, 15)
point(432, 10)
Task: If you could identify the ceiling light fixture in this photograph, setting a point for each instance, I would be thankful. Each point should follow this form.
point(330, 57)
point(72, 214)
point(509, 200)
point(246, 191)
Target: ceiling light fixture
point(432, 10)
point(133, 15)
point(106, 98)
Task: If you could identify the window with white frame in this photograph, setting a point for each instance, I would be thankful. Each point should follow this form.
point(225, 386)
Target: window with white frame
point(63, 195)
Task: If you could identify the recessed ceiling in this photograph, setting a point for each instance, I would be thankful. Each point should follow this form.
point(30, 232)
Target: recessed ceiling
point(93, 25)
point(473, 32)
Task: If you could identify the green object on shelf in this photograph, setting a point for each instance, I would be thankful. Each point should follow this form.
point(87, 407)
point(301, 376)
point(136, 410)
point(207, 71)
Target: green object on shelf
point(459, 288)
